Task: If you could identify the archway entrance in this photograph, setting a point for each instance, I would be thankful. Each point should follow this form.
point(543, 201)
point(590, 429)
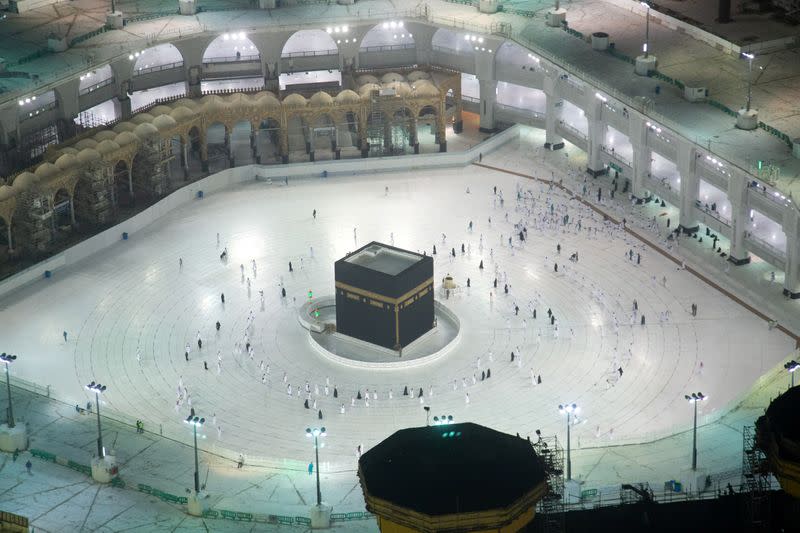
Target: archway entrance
point(62, 214)
point(241, 140)
point(269, 141)
point(217, 141)
point(322, 137)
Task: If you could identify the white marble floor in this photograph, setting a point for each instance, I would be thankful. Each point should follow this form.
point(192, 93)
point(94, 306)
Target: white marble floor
point(135, 298)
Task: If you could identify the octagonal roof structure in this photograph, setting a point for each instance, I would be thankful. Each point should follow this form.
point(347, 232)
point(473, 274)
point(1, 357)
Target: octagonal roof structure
point(433, 477)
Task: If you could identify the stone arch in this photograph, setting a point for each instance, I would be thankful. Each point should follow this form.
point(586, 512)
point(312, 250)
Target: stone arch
point(156, 56)
point(241, 141)
point(322, 130)
point(95, 77)
point(63, 208)
point(510, 53)
point(428, 111)
point(308, 41)
point(455, 41)
point(296, 131)
point(269, 136)
point(233, 45)
point(217, 143)
point(386, 34)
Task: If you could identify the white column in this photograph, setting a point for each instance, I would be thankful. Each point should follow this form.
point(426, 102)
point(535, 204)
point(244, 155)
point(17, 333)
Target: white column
point(554, 105)
point(597, 134)
point(10, 242)
point(642, 154)
point(488, 99)
point(687, 168)
point(737, 194)
point(791, 227)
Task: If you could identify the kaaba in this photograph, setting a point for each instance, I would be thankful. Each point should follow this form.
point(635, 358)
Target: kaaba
point(384, 295)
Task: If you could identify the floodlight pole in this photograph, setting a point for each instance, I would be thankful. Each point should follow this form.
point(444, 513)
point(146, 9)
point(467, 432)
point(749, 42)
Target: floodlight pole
point(10, 408)
point(196, 463)
point(100, 452)
point(316, 451)
point(694, 438)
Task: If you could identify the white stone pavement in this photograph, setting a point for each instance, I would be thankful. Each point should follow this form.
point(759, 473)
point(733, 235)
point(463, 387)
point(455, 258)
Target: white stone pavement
point(134, 297)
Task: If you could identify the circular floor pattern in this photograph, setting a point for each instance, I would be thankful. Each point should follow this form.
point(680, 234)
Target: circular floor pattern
point(133, 298)
point(348, 351)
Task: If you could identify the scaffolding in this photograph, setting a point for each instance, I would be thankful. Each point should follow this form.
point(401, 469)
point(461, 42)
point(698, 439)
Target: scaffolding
point(385, 135)
point(550, 509)
point(755, 481)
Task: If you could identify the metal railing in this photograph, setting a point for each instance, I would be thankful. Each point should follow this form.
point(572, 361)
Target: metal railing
point(231, 59)
point(613, 496)
point(448, 50)
point(310, 53)
point(575, 131)
point(529, 113)
point(158, 101)
point(615, 155)
point(387, 48)
point(25, 115)
point(244, 90)
point(95, 86)
point(767, 245)
point(158, 68)
point(713, 213)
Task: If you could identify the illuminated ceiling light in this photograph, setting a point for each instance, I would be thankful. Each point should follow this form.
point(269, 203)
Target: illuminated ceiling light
point(385, 25)
point(345, 29)
point(480, 39)
point(130, 56)
point(329, 29)
point(27, 100)
point(226, 36)
point(241, 35)
point(21, 102)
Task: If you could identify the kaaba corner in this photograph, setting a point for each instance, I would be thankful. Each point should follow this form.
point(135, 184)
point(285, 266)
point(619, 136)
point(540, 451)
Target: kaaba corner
point(384, 295)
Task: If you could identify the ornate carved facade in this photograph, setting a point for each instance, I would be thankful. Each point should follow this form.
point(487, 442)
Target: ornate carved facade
point(85, 183)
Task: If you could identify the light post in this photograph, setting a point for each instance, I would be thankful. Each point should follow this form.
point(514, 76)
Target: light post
point(98, 389)
point(8, 359)
point(316, 433)
point(646, 28)
point(442, 420)
point(790, 367)
point(749, 58)
point(694, 398)
point(569, 409)
point(196, 422)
